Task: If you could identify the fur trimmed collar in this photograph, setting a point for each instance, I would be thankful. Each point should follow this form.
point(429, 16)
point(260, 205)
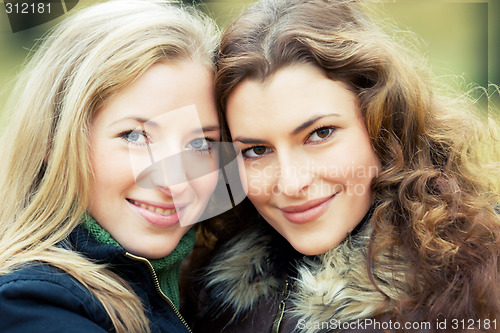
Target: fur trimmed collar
point(334, 285)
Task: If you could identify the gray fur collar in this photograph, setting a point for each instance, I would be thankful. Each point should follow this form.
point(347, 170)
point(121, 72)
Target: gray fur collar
point(336, 286)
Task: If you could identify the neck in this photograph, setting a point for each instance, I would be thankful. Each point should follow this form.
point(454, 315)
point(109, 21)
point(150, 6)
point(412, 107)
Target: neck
point(167, 268)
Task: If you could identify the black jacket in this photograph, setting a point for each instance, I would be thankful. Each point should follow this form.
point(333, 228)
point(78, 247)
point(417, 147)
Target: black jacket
point(42, 298)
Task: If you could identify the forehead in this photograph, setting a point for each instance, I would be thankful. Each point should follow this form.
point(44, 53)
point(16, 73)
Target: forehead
point(161, 89)
point(293, 94)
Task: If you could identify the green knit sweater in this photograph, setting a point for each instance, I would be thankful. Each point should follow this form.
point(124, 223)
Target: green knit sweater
point(167, 268)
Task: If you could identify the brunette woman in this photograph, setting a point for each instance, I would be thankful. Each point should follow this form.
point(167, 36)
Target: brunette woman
point(379, 190)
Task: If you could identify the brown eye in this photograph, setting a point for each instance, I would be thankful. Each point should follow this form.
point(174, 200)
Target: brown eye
point(259, 150)
point(323, 133)
point(255, 152)
point(320, 134)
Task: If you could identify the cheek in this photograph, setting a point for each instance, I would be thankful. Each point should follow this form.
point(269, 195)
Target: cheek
point(368, 165)
point(204, 186)
point(259, 178)
point(363, 172)
point(349, 168)
point(111, 169)
point(139, 164)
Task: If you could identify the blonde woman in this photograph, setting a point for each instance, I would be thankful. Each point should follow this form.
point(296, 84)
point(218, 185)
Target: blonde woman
point(89, 242)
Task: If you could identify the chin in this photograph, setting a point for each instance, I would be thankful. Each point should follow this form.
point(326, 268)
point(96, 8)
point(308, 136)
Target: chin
point(153, 253)
point(314, 246)
point(310, 249)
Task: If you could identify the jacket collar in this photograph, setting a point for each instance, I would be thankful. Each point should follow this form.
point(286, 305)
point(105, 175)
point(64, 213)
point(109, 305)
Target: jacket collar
point(82, 241)
point(334, 285)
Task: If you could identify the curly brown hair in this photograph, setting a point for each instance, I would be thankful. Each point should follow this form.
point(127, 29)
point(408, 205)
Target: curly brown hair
point(436, 195)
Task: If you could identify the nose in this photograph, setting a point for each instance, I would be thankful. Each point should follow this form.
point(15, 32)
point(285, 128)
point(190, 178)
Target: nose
point(295, 175)
point(167, 174)
point(173, 180)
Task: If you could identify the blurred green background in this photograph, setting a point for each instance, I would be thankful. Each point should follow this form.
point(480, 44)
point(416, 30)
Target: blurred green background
point(461, 39)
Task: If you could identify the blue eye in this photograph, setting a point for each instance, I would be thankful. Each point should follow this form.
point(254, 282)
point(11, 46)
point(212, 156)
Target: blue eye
point(256, 152)
point(320, 134)
point(135, 137)
point(200, 144)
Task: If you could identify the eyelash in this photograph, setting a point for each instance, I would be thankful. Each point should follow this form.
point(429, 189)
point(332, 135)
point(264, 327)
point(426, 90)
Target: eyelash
point(246, 157)
point(123, 135)
point(204, 150)
point(331, 128)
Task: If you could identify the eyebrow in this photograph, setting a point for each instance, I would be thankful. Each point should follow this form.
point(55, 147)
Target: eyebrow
point(138, 119)
point(311, 121)
point(296, 131)
point(141, 120)
point(212, 128)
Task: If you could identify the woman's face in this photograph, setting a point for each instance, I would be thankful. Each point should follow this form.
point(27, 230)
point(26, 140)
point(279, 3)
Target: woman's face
point(142, 141)
point(308, 158)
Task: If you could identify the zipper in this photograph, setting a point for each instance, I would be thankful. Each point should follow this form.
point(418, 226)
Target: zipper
point(158, 288)
point(281, 310)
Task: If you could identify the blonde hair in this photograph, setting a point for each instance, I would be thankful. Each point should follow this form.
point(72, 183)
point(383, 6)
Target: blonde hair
point(45, 172)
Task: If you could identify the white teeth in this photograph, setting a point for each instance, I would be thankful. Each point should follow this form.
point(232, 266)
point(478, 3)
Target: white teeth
point(154, 209)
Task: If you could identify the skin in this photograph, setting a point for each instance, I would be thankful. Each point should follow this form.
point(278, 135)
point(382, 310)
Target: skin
point(167, 111)
point(308, 158)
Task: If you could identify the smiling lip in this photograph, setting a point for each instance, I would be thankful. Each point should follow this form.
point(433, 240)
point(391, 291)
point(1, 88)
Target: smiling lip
point(308, 211)
point(159, 214)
